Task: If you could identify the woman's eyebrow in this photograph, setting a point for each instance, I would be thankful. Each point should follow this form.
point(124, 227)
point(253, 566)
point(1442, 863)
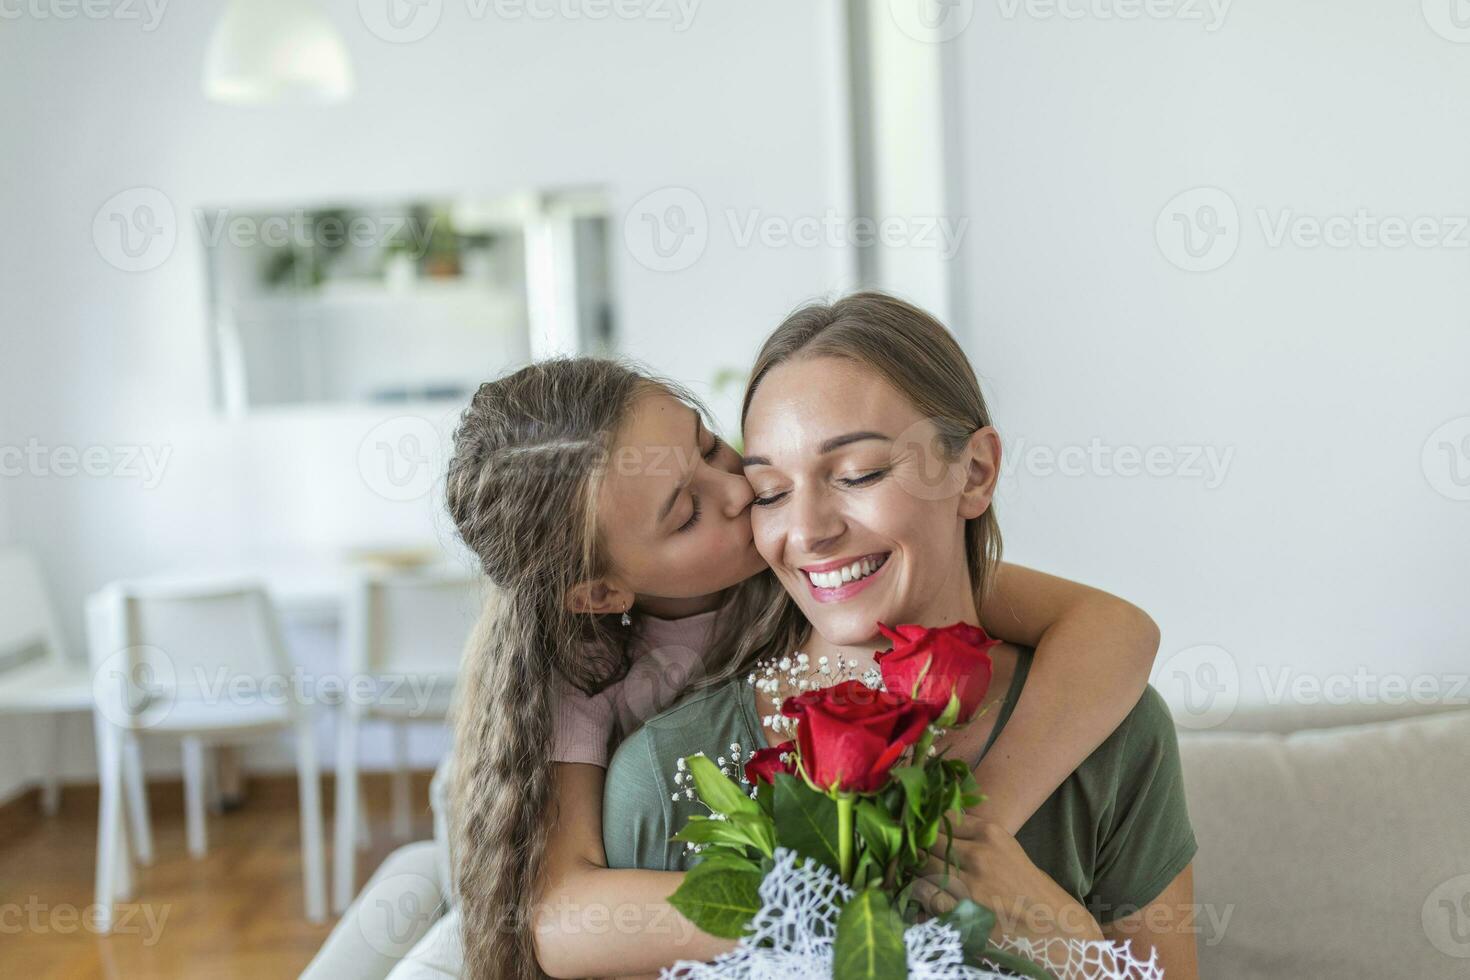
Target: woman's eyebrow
point(836, 442)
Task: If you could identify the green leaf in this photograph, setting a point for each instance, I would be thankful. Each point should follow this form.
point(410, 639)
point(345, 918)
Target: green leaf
point(878, 830)
point(806, 821)
point(719, 900)
point(913, 779)
point(759, 829)
point(869, 943)
point(728, 860)
point(1012, 963)
point(716, 790)
point(707, 830)
point(951, 712)
point(974, 922)
point(868, 870)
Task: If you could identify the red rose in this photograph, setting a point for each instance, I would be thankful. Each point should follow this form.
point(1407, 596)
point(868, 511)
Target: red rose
point(764, 765)
point(850, 735)
point(955, 658)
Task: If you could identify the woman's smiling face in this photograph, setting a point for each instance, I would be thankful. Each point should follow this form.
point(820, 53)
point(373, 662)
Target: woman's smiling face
point(856, 513)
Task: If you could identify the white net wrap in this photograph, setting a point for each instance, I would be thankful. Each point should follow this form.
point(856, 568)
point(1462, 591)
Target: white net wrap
point(791, 939)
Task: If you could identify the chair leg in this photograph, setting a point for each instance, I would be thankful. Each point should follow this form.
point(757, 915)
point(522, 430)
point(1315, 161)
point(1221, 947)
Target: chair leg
point(345, 819)
point(312, 846)
point(109, 819)
point(364, 832)
point(194, 794)
point(49, 729)
point(137, 798)
point(402, 794)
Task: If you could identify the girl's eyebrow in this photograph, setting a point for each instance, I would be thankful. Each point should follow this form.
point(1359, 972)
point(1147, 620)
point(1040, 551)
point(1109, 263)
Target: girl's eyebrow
point(669, 503)
point(836, 442)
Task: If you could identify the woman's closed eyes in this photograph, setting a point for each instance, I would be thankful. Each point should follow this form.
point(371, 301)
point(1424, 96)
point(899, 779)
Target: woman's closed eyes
point(854, 482)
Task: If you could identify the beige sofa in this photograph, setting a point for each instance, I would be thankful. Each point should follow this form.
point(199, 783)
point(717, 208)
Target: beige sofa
point(1334, 843)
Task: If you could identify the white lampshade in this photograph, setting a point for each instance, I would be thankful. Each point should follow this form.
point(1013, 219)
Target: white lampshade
point(276, 51)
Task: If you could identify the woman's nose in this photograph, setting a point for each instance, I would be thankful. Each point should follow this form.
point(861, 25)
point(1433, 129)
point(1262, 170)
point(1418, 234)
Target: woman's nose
point(815, 523)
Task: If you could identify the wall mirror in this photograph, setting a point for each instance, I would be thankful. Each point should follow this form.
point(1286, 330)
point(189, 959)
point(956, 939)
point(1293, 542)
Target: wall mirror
point(408, 300)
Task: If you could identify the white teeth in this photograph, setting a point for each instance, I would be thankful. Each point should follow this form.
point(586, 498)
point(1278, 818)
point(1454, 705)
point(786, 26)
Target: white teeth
point(859, 569)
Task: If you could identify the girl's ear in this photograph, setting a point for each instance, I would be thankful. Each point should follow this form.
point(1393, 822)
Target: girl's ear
point(599, 596)
point(982, 472)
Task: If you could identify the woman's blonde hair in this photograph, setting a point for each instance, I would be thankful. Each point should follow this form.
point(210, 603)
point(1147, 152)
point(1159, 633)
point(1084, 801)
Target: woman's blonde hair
point(922, 361)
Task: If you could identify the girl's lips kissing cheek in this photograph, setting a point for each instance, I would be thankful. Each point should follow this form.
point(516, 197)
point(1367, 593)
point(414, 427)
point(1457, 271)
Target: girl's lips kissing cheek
point(834, 581)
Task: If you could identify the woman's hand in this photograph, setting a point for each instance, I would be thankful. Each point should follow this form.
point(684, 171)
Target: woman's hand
point(992, 869)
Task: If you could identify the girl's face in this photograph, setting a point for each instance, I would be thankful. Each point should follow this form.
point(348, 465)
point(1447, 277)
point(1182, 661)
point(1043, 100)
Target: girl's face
point(857, 514)
point(674, 509)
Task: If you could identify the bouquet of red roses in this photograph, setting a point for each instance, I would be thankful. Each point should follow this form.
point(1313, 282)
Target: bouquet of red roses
point(860, 792)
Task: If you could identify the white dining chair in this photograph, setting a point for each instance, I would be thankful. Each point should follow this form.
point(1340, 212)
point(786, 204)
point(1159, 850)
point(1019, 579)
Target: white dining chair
point(402, 639)
point(202, 662)
point(40, 682)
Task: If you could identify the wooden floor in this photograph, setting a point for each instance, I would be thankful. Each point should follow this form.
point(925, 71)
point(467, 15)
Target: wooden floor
point(236, 912)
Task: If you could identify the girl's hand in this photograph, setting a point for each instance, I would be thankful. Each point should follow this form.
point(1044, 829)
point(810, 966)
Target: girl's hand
point(991, 868)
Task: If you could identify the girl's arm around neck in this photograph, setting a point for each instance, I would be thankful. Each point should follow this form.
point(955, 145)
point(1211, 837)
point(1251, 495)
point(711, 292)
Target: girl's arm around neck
point(595, 921)
point(1092, 661)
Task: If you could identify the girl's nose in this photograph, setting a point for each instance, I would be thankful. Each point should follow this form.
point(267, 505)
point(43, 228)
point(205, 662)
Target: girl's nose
point(735, 493)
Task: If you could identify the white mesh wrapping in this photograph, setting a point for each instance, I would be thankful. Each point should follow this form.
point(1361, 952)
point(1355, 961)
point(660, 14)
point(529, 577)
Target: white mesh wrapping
point(1085, 960)
point(791, 939)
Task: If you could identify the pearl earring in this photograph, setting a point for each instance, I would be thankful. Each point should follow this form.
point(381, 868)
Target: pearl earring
point(627, 620)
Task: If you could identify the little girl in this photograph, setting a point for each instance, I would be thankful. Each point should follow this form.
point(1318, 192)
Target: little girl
point(615, 527)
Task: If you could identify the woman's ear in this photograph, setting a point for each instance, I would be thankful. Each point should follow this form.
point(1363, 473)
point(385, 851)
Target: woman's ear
point(599, 596)
point(982, 472)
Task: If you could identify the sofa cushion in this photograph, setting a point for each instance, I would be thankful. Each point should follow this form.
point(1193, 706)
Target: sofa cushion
point(400, 903)
point(1340, 852)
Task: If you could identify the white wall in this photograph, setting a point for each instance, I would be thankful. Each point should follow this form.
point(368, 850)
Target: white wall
point(1328, 546)
point(737, 108)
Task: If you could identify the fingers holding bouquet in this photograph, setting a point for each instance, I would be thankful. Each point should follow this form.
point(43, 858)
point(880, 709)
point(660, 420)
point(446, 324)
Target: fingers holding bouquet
point(985, 864)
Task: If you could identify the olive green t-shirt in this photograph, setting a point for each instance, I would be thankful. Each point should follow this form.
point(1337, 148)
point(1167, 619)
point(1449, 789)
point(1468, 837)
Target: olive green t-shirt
point(1114, 834)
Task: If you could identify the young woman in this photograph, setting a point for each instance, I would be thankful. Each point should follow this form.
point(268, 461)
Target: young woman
point(616, 529)
point(870, 449)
